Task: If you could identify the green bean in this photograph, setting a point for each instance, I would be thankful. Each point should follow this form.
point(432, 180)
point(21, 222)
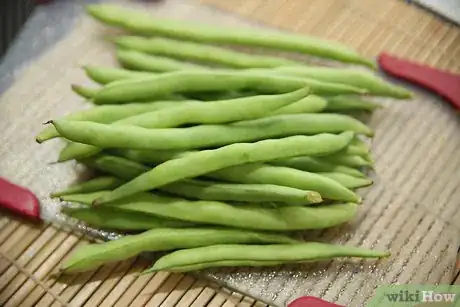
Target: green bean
point(344, 103)
point(205, 136)
point(141, 23)
point(202, 162)
point(257, 255)
point(355, 150)
point(144, 62)
point(360, 143)
point(85, 92)
point(149, 156)
point(354, 77)
point(278, 175)
point(223, 263)
point(105, 75)
point(92, 185)
point(195, 52)
point(309, 164)
point(209, 190)
point(283, 218)
point(259, 181)
point(76, 151)
point(93, 255)
point(106, 217)
point(184, 81)
point(350, 182)
point(106, 114)
point(351, 161)
point(310, 104)
point(84, 198)
point(218, 112)
point(122, 168)
point(199, 189)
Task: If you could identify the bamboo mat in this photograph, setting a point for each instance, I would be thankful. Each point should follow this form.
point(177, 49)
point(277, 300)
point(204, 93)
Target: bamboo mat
point(30, 254)
point(411, 209)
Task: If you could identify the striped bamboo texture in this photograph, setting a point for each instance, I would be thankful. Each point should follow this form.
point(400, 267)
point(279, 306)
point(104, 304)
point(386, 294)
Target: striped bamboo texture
point(30, 256)
point(416, 164)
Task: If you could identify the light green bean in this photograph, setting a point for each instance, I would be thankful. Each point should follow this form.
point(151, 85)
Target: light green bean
point(354, 77)
point(218, 112)
point(256, 255)
point(344, 103)
point(195, 52)
point(351, 161)
point(199, 163)
point(85, 92)
point(350, 182)
point(107, 217)
point(106, 115)
point(92, 185)
point(199, 189)
point(149, 156)
point(212, 190)
point(283, 218)
point(184, 81)
point(122, 168)
point(205, 136)
point(144, 62)
point(85, 198)
point(141, 23)
point(310, 104)
point(93, 255)
point(105, 75)
point(309, 164)
point(278, 175)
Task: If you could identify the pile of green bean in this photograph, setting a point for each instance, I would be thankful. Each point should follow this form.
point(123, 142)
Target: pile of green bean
point(216, 155)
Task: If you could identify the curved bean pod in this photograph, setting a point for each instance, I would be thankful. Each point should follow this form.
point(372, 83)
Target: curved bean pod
point(195, 52)
point(202, 162)
point(205, 136)
point(354, 77)
point(85, 92)
point(178, 82)
point(138, 22)
point(284, 176)
point(354, 150)
point(106, 217)
point(238, 254)
point(310, 104)
point(149, 156)
point(351, 161)
point(106, 115)
point(348, 181)
point(190, 112)
point(209, 190)
point(284, 218)
point(117, 166)
point(145, 62)
point(309, 164)
point(344, 103)
point(105, 75)
point(198, 189)
point(84, 198)
point(216, 112)
point(93, 255)
point(92, 185)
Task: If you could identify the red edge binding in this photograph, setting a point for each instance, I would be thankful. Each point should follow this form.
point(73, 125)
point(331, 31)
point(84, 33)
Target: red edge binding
point(19, 200)
point(311, 301)
point(443, 83)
